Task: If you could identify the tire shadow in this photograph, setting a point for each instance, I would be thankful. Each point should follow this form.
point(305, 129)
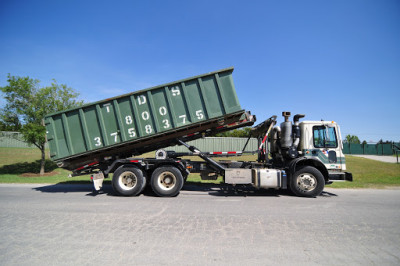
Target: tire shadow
point(225, 190)
point(74, 188)
point(327, 194)
point(216, 190)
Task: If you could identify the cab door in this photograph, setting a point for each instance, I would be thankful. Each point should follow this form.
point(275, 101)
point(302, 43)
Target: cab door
point(339, 150)
point(325, 139)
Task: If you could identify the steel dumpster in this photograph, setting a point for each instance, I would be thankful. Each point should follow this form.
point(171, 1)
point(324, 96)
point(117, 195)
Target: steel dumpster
point(145, 120)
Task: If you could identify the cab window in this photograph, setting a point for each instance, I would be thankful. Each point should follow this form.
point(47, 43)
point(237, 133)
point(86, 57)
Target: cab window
point(324, 137)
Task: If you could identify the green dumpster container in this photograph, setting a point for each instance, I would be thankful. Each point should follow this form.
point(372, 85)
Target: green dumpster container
point(144, 120)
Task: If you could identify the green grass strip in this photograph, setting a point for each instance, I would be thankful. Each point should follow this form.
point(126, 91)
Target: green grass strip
point(366, 173)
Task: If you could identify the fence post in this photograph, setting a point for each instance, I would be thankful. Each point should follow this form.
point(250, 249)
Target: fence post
point(392, 147)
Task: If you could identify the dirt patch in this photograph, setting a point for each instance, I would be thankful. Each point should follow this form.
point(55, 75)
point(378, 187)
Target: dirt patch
point(38, 175)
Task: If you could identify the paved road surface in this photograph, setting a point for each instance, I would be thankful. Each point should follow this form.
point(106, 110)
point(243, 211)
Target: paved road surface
point(68, 225)
point(382, 158)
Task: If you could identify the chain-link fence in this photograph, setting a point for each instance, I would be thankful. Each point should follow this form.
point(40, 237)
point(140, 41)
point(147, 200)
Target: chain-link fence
point(210, 144)
point(10, 139)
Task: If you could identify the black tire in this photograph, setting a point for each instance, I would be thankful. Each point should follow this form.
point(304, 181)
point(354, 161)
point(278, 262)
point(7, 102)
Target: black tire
point(166, 181)
point(128, 181)
point(307, 181)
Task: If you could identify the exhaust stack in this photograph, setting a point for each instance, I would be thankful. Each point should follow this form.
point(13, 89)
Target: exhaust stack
point(290, 135)
point(286, 132)
point(296, 130)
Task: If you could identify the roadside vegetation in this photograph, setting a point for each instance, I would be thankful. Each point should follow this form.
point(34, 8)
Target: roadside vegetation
point(369, 173)
point(21, 165)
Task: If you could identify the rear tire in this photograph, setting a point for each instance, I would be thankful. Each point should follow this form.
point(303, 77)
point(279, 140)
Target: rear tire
point(128, 181)
point(307, 182)
point(166, 181)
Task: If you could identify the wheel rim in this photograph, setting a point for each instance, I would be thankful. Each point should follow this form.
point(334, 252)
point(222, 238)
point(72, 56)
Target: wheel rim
point(166, 180)
point(127, 180)
point(306, 182)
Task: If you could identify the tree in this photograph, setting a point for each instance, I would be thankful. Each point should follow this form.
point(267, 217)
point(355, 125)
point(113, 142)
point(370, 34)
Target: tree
point(27, 104)
point(9, 120)
point(236, 133)
point(352, 139)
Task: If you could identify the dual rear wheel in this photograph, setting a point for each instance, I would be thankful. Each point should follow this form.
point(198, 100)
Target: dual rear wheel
point(128, 181)
point(166, 181)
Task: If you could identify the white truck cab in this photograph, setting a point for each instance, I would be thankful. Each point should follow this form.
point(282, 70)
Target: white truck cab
point(322, 140)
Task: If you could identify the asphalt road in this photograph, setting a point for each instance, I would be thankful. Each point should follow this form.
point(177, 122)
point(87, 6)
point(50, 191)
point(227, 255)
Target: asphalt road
point(68, 225)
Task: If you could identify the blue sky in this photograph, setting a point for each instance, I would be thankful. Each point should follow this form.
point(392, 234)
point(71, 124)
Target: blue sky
point(331, 60)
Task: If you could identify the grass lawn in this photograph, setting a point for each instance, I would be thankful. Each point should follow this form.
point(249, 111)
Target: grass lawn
point(60, 176)
point(369, 173)
point(366, 173)
point(13, 156)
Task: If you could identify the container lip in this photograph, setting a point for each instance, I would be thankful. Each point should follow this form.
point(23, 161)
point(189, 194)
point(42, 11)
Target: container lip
point(143, 90)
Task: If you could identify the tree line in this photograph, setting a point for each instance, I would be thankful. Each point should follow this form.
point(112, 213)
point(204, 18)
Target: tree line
point(353, 139)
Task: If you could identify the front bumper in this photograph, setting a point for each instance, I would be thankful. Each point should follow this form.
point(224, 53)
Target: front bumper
point(345, 176)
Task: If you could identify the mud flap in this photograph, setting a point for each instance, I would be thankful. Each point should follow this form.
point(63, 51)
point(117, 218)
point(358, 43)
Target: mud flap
point(348, 176)
point(97, 180)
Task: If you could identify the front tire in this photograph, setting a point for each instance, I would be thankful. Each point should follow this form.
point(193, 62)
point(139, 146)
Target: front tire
point(167, 181)
point(128, 181)
point(307, 182)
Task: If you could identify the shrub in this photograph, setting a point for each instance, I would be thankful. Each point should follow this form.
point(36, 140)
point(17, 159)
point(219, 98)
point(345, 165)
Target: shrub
point(25, 167)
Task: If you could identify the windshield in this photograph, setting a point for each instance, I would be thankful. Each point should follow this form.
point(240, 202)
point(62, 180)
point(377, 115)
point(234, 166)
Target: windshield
point(324, 137)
